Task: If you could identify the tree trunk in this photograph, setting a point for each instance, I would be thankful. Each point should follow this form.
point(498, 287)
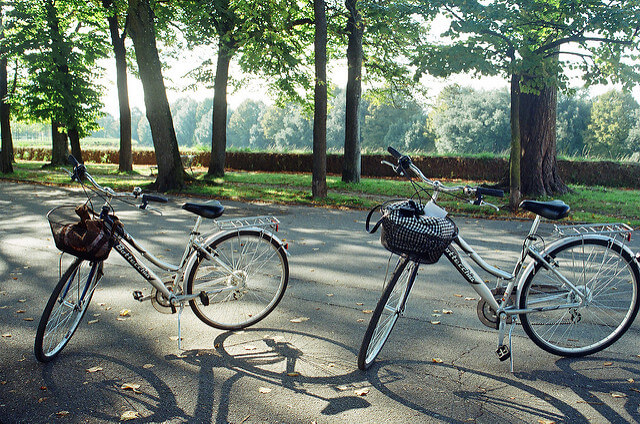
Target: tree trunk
point(60, 145)
point(319, 171)
point(219, 118)
point(125, 157)
point(539, 168)
point(6, 148)
point(516, 148)
point(74, 140)
point(351, 164)
point(170, 170)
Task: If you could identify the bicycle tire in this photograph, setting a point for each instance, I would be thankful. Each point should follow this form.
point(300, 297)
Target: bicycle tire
point(259, 260)
point(66, 308)
point(379, 329)
point(601, 269)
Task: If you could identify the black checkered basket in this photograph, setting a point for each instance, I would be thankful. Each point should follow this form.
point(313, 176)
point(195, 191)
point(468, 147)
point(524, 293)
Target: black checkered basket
point(405, 229)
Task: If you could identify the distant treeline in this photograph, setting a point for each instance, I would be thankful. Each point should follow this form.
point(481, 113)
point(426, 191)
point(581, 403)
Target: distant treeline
point(461, 120)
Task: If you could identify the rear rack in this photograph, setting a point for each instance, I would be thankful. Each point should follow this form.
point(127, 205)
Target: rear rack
point(250, 221)
point(605, 229)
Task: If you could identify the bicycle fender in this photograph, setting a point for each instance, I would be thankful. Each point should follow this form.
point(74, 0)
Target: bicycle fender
point(211, 238)
point(553, 246)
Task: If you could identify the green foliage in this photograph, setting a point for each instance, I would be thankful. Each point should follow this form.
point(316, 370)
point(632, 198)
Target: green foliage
point(59, 44)
point(471, 121)
point(613, 115)
point(573, 117)
point(539, 40)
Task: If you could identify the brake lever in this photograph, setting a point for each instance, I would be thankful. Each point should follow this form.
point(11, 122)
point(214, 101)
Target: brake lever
point(395, 168)
point(152, 209)
point(483, 203)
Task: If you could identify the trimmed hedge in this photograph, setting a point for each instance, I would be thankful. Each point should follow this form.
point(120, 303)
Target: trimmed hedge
point(605, 173)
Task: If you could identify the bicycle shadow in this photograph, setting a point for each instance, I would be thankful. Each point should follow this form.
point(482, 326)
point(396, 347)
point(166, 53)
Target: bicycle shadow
point(596, 379)
point(92, 397)
point(496, 398)
point(289, 359)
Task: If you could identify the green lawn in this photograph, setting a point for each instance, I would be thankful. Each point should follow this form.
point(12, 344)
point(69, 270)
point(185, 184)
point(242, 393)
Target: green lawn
point(588, 204)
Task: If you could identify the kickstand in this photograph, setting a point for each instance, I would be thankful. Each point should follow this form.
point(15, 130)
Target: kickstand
point(513, 324)
point(180, 328)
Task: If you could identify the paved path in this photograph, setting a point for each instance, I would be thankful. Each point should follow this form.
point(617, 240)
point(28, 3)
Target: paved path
point(279, 371)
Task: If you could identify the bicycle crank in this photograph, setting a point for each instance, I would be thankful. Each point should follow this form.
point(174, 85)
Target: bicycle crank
point(487, 315)
point(160, 302)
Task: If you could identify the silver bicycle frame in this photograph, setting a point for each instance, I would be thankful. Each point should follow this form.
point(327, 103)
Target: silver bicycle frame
point(125, 245)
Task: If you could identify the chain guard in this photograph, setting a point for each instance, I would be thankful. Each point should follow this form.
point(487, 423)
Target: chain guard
point(487, 315)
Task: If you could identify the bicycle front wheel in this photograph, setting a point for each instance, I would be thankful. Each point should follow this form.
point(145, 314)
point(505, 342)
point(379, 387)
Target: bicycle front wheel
point(587, 320)
point(249, 285)
point(65, 308)
point(389, 308)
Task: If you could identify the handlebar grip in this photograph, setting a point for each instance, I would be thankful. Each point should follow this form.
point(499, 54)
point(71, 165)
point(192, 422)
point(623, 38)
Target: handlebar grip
point(490, 192)
point(396, 154)
point(153, 198)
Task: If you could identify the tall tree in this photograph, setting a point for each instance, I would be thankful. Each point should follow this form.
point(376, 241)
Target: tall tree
point(125, 157)
point(59, 43)
point(383, 35)
point(268, 39)
point(319, 171)
point(355, 29)
point(171, 174)
point(6, 148)
point(532, 42)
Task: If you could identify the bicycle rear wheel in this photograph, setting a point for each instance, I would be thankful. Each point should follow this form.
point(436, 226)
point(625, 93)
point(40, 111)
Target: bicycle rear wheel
point(257, 281)
point(605, 273)
point(65, 308)
point(389, 308)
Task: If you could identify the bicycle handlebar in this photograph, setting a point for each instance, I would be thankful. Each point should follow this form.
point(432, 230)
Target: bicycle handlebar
point(80, 173)
point(405, 164)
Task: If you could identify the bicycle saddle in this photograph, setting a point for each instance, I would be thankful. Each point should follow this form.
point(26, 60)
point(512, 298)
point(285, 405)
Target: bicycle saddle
point(555, 209)
point(209, 210)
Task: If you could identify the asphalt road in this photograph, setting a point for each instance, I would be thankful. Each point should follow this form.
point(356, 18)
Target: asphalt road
point(278, 370)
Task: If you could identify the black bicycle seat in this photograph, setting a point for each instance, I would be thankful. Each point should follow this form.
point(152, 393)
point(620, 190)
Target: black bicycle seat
point(209, 210)
point(554, 209)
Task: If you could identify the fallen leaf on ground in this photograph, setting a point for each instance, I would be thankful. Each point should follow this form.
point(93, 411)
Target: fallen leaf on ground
point(129, 415)
point(546, 421)
point(264, 390)
point(367, 311)
point(249, 347)
point(93, 321)
point(22, 300)
point(608, 364)
point(125, 313)
point(6, 335)
point(20, 311)
point(618, 395)
point(469, 298)
point(342, 388)
point(27, 319)
point(630, 380)
point(62, 413)
point(293, 374)
point(131, 386)
point(360, 320)
point(360, 304)
point(94, 369)
point(147, 366)
point(437, 360)
point(447, 312)
point(361, 392)
point(435, 322)
point(457, 295)
point(299, 320)
point(330, 294)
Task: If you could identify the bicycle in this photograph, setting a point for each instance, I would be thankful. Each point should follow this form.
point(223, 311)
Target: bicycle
point(575, 297)
point(232, 278)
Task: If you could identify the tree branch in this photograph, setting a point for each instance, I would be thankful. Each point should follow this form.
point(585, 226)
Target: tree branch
point(580, 39)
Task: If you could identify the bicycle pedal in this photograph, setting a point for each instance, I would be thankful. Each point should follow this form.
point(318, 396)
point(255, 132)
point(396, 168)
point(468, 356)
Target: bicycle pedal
point(204, 298)
point(503, 352)
point(137, 295)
